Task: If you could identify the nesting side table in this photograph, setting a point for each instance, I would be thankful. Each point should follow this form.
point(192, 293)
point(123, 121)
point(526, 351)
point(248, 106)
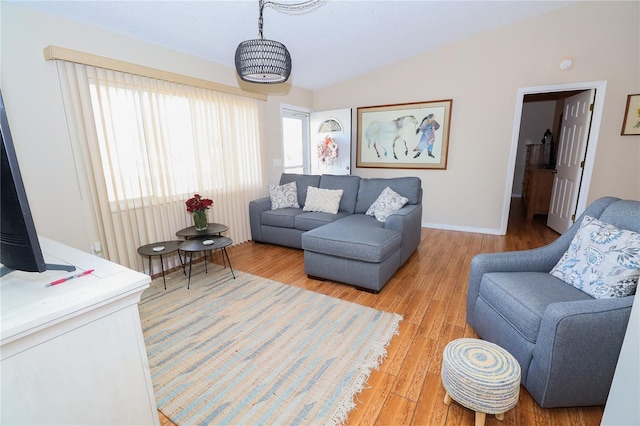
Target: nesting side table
point(212, 229)
point(214, 242)
point(161, 249)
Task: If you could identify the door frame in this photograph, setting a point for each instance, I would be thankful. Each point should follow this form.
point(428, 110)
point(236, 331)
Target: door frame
point(303, 114)
point(592, 142)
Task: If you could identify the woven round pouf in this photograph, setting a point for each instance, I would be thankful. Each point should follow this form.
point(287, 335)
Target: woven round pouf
point(481, 376)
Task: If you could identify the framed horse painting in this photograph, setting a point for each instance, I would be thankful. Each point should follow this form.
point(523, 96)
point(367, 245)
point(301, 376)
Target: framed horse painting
point(404, 136)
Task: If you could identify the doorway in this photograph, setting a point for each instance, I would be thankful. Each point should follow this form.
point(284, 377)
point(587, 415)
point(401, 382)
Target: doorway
point(540, 91)
point(295, 140)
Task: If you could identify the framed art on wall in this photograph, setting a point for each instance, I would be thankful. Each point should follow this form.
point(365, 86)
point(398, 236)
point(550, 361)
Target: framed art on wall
point(631, 122)
point(404, 136)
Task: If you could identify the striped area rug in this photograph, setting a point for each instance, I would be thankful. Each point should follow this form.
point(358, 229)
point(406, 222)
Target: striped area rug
point(251, 351)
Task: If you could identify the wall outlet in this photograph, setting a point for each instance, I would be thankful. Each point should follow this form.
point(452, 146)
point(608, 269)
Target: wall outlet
point(96, 248)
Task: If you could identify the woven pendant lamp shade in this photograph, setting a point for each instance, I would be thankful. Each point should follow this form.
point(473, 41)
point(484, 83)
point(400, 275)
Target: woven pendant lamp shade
point(263, 61)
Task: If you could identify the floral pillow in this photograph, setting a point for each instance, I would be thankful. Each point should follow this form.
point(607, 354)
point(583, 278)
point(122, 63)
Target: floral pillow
point(284, 196)
point(387, 202)
point(322, 200)
point(602, 260)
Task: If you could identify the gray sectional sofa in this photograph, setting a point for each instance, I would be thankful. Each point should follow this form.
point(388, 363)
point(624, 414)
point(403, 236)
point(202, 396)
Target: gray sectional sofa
point(348, 246)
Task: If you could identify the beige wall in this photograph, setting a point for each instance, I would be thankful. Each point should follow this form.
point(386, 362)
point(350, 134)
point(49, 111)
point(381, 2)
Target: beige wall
point(30, 89)
point(482, 75)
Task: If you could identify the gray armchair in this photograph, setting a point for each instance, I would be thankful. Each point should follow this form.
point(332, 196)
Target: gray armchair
point(567, 343)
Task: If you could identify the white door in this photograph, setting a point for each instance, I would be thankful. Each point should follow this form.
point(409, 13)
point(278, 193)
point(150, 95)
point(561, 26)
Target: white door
point(572, 147)
point(330, 142)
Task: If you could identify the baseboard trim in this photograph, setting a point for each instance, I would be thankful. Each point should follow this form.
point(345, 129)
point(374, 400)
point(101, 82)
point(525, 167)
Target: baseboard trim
point(488, 231)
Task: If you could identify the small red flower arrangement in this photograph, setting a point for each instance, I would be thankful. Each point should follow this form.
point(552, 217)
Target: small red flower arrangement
point(198, 203)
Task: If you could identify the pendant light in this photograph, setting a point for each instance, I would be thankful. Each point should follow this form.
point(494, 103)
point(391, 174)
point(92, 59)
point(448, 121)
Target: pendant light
point(261, 60)
point(267, 61)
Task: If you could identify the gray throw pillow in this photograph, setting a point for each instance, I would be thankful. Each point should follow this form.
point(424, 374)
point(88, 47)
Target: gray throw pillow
point(284, 196)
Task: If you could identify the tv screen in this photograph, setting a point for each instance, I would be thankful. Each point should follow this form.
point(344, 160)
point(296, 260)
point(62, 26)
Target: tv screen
point(19, 245)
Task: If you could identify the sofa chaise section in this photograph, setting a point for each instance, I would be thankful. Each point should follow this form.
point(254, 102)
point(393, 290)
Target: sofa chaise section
point(356, 250)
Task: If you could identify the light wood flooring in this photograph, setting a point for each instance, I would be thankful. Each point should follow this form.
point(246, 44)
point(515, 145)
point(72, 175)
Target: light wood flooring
point(429, 291)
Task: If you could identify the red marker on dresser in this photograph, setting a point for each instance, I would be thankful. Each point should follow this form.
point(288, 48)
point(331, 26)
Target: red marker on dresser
point(62, 280)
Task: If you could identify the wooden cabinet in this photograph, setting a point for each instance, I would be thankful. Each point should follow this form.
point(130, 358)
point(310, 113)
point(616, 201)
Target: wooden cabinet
point(538, 182)
point(536, 191)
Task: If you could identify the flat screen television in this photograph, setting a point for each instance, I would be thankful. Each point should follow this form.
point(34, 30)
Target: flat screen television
point(19, 245)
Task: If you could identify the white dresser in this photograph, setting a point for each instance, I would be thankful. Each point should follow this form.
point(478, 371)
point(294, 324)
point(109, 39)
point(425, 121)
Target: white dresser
point(74, 353)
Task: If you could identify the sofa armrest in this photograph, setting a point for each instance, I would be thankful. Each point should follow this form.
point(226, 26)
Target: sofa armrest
point(408, 221)
point(580, 341)
point(256, 207)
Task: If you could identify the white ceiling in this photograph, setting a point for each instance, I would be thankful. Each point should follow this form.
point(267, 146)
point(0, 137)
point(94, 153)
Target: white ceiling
point(339, 40)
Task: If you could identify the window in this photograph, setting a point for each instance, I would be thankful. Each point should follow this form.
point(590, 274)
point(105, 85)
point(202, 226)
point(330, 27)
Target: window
point(125, 122)
point(162, 143)
point(295, 140)
point(144, 146)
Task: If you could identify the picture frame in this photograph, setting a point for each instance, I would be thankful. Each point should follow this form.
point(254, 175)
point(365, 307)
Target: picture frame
point(404, 136)
point(631, 122)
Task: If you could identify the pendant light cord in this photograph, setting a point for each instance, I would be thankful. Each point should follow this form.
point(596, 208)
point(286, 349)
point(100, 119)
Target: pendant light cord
point(261, 3)
point(292, 8)
point(288, 8)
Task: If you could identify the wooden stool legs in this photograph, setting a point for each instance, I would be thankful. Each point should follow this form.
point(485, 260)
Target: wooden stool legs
point(447, 398)
point(480, 417)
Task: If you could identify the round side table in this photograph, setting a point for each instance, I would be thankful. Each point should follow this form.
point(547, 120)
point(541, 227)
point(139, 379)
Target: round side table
point(481, 376)
point(212, 229)
point(160, 249)
point(214, 242)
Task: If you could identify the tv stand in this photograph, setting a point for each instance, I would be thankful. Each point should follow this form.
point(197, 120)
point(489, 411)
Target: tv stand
point(50, 267)
point(74, 353)
point(54, 267)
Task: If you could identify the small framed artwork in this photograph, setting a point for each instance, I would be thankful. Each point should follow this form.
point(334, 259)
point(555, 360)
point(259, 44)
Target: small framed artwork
point(404, 136)
point(631, 123)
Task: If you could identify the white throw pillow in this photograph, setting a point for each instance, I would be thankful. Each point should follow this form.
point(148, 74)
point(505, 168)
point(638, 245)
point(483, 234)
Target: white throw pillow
point(387, 202)
point(322, 200)
point(284, 196)
point(602, 260)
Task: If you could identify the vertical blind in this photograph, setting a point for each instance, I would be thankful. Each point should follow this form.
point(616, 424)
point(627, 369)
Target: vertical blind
point(146, 145)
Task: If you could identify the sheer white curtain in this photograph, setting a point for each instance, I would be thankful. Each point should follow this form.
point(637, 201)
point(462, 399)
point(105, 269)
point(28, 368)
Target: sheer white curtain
point(144, 146)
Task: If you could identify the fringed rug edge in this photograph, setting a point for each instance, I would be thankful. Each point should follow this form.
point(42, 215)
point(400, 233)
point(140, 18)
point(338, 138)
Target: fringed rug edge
point(373, 362)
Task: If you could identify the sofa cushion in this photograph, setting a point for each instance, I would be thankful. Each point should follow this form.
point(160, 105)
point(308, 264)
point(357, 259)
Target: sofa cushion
point(311, 220)
point(284, 196)
point(349, 184)
point(302, 182)
point(357, 237)
point(370, 189)
point(387, 203)
point(522, 297)
point(602, 260)
point(322, 200)
point(283, 218)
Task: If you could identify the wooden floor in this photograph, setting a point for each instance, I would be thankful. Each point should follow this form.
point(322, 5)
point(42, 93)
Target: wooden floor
point(429, 291)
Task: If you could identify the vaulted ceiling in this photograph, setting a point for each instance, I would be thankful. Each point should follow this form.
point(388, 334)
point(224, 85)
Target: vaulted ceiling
point(337, 41)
